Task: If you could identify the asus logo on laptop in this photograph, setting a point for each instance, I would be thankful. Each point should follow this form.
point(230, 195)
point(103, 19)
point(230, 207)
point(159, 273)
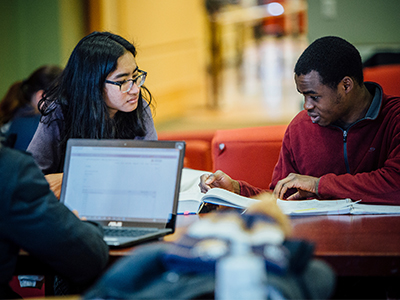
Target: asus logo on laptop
point(115, 224)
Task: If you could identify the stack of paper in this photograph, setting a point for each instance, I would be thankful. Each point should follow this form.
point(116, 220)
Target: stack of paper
point(316, 207)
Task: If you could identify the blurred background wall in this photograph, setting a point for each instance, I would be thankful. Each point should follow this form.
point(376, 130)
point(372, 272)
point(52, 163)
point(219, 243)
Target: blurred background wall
point(37, 32)
point(370, 25)
point(174, 37)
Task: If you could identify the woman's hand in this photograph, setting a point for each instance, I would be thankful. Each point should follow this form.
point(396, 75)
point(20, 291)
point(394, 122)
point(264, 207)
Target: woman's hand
point(55, 181)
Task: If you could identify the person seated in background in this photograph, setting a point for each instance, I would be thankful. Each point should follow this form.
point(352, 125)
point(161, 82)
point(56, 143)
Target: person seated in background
point(19, 114)
point(100, 95)
point(33, 219)
point(346, 141)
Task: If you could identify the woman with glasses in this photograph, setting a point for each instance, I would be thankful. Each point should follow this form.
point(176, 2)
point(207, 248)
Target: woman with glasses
point(100, 95)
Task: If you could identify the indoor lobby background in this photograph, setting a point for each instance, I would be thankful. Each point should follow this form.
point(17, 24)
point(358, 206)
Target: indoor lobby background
point(212, 64)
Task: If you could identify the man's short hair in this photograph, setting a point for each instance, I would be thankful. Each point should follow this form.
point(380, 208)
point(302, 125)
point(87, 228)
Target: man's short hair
point(333, 58)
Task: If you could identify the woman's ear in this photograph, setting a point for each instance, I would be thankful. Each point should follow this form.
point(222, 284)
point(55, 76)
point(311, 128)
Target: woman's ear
point(36, 98)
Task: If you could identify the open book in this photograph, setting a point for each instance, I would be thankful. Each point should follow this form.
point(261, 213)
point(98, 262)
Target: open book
point(305, 207)
point(190, 195)
point(334, 207)
point(191, 201)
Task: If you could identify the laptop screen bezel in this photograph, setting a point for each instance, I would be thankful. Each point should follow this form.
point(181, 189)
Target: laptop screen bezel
point(180, 145)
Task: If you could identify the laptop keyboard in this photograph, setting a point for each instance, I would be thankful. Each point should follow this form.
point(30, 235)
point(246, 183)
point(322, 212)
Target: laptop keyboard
point(126, 231)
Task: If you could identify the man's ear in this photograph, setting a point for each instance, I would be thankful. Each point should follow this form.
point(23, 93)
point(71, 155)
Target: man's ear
point(347, 84)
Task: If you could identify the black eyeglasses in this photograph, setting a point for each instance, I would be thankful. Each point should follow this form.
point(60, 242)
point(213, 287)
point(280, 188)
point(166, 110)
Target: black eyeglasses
point(126, 85)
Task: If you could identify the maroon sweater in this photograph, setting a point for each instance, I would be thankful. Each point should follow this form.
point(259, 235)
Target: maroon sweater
point(362, 162)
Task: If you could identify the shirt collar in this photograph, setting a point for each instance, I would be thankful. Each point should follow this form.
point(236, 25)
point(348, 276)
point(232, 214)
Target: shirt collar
point(374, 108)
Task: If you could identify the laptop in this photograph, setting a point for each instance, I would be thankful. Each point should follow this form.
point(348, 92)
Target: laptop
point(125, 185)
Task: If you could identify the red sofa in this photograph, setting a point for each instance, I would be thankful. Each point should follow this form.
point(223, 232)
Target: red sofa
point(198, 147)
point(249, 154)
point(388, 76)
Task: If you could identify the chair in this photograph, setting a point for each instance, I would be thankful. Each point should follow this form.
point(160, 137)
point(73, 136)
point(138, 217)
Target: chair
point(248, 154)
point(198, 147)
point(387, 76)
point(22, 130)
point(27, 292)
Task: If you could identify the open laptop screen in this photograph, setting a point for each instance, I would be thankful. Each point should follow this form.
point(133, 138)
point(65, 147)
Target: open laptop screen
point(130, 184)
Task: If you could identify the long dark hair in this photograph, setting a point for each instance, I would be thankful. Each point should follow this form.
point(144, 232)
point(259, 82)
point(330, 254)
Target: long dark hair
point(20, 93)
point(80, 91)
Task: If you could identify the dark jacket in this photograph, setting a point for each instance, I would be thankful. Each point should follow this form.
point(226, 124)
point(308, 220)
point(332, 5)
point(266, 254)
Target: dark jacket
point(33, 219)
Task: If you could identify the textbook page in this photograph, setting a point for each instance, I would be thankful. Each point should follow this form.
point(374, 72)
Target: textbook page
point(190, 194)
point(223, 197)
point(189, 202)
point(191, 198)
point(315, 207)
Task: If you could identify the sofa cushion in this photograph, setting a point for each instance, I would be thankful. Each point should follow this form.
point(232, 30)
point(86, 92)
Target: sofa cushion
point(248, 154)
point(387, 76)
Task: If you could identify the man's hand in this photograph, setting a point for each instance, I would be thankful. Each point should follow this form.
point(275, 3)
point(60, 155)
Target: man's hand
point(218, 179)
point(55, 181)
point(306, 187)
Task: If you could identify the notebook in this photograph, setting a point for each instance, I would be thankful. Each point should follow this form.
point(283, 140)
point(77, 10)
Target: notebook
point(125, 185)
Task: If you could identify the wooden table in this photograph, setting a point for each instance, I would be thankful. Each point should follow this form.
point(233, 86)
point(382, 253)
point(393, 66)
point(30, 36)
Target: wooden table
point(183, 221)
point(354, 246)
point(364, 252)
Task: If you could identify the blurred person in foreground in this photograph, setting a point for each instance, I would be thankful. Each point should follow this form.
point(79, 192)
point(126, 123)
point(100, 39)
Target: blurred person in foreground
point(32, 219)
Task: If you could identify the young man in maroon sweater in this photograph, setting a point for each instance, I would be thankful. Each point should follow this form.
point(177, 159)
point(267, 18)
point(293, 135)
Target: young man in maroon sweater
point(346, 141)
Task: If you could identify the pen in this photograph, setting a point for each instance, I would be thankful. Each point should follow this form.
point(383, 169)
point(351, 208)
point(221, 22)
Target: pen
point(188, 213)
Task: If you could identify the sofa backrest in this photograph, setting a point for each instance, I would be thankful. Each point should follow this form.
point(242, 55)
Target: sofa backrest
point(198, 147)
point(388, 77)
point(248, 154)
